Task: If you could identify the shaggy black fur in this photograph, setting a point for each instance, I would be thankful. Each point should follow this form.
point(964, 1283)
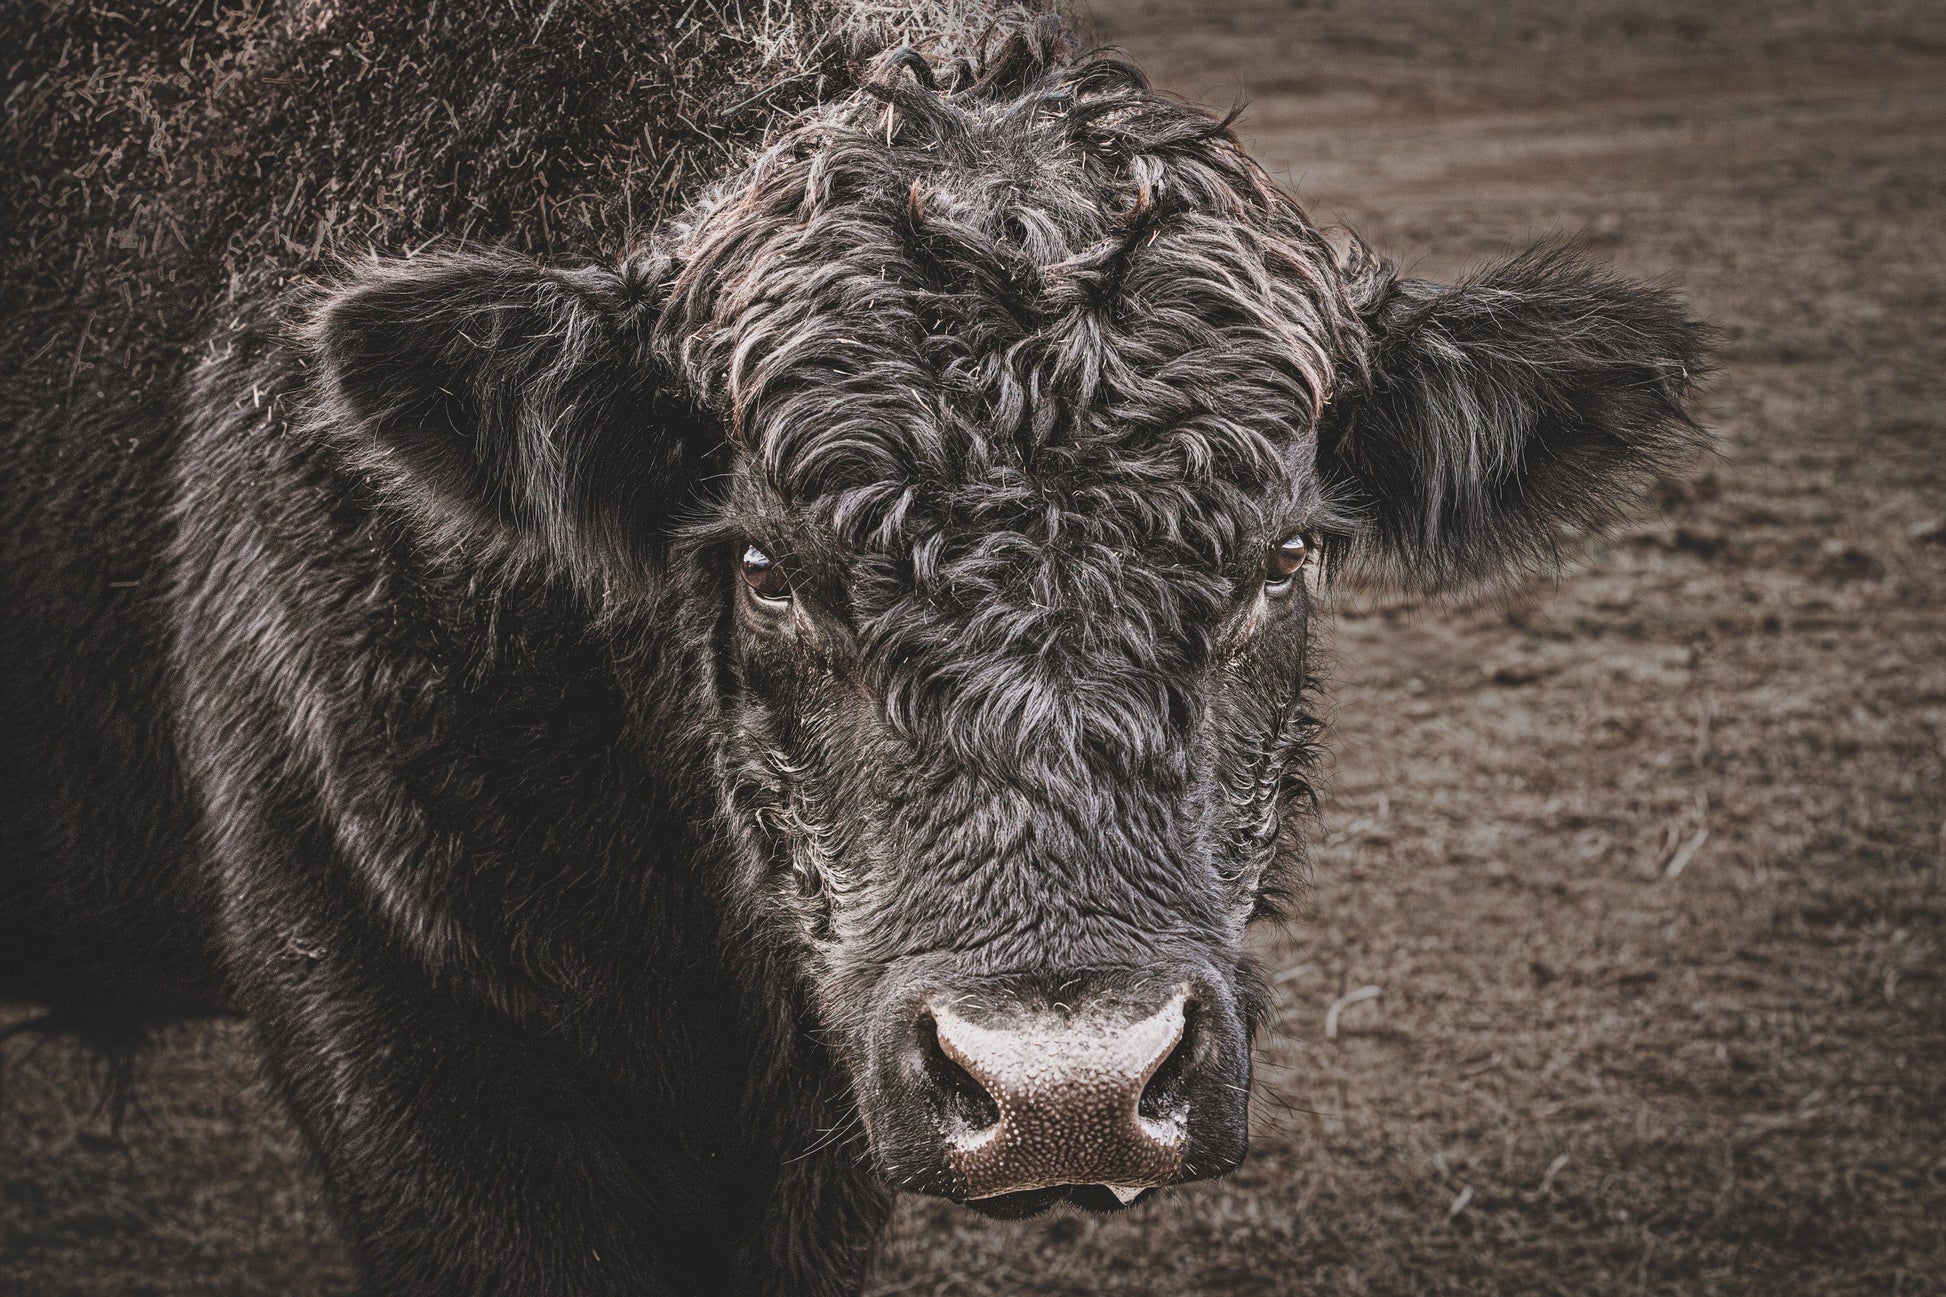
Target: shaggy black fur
point(381, 669)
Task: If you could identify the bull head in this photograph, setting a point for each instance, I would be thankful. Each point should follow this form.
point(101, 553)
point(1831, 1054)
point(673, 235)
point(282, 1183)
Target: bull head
point(1006, 430)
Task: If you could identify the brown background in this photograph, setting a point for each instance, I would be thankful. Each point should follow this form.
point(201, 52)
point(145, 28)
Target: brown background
point(1581, 1074)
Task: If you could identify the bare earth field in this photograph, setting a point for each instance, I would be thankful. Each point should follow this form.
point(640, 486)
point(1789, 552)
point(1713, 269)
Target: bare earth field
point(1645, 867)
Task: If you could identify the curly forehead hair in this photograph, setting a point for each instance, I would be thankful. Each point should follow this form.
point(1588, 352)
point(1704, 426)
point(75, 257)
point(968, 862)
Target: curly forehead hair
point(974, 287)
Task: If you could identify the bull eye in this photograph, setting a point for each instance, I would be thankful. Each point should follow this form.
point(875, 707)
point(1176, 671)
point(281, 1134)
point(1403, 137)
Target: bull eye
point(765, 576)
point(1288, 557)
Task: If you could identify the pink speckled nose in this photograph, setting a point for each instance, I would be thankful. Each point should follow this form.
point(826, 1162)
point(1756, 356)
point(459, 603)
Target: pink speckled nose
point(1068, 1092)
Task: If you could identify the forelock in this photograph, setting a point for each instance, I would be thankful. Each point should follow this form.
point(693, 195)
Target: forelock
point(981, 320)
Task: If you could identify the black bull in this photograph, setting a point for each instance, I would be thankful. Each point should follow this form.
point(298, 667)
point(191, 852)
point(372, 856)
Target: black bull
point(670, 744)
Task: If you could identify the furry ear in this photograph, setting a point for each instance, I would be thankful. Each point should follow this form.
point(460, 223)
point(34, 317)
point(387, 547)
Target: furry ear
point(487, 396)
point(1503, 415)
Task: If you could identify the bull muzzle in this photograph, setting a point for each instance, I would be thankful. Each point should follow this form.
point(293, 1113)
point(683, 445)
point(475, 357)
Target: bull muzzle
point(1067, 1097)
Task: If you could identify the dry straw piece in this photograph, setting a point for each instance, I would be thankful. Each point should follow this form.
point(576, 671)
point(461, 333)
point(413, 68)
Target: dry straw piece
point(1344, 1002)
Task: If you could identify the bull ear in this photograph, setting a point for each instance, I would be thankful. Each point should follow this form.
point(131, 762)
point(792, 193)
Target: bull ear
point(1503, 415)
point(492, 398)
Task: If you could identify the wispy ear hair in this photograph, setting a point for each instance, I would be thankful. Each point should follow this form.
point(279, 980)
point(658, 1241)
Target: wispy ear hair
point(1494, 419)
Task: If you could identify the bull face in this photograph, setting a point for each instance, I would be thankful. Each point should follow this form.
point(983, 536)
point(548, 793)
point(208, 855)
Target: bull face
point(1021, 807)
point(1021, 765)
point(997, 433)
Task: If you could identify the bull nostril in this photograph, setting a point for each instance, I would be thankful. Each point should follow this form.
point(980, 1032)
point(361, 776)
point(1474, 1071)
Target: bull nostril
point(966, 1102)
point(1165, 1097)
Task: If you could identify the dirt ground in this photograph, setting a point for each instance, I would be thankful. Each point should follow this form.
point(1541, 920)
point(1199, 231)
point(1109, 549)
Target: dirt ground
point(1644, 867)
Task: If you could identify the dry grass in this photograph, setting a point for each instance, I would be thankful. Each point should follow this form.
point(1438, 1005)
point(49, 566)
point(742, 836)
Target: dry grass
point(1583, 1074)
